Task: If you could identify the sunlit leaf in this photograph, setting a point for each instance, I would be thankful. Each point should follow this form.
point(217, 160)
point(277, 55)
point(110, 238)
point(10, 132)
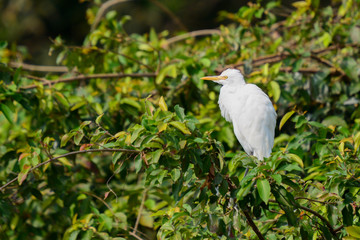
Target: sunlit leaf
point(162, 104)
point(285, 118)
point(181, 126)
point(353, 231)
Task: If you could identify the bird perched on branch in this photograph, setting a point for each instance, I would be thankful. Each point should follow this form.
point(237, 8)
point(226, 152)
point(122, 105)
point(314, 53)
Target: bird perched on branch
point(250, 111)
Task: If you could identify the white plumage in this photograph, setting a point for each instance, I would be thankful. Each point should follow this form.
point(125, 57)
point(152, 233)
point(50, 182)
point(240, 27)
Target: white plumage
point(250, 111)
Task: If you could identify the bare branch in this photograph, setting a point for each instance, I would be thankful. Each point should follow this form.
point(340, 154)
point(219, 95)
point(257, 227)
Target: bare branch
point(87, 77)
point(38, 68)
point(273, 58)
point(197, 33)
point(140, 211)
point(69, 154)
point(252, 224)
point(135, 236)
point(103, 9)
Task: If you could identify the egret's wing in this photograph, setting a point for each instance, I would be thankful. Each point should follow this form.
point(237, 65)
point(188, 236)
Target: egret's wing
point(254, 120)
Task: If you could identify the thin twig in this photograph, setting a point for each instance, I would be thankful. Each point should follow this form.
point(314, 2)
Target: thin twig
point(170, 14)
point(273, 58)
point(331, 229)
point(91, 76)
point(69, 154)
point(339, 228)
point(140, 211)
point(312, 200)
point(38, 68)
point(196, 33)
point(102, 10)
point(105, 203)
point(135, 236)
point(245, 211)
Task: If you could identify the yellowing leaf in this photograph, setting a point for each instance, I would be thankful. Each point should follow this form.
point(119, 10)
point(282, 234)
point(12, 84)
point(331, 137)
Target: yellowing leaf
point(353, 231)
point(64, 139)
point(181, 126)
point(275, 90)
point(65, 162)
point(162, 126)
point(128, 139)
point(22, 176)
point(23, 155)
point(341, 147)
point(357, 141)
point(285, 118)
point(296, 159)
point(98, 119)
point(301, 4)
point(162, 104)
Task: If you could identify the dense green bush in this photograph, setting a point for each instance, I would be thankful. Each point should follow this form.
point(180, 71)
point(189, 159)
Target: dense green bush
point(128, 142)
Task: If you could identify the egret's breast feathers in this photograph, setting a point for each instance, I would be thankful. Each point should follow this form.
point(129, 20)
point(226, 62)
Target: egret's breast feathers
point(253, 116)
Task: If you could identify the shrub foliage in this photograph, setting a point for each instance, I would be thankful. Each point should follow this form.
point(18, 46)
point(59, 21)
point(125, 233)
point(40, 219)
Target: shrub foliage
point(126, 141)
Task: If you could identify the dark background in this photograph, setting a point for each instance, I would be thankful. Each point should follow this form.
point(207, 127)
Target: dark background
point(32, 23)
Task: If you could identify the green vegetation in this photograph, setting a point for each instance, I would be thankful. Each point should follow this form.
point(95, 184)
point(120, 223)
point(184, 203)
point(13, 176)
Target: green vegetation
point(128, 143)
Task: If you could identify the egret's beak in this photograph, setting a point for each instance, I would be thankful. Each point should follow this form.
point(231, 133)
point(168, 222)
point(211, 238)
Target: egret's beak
point(214, 78)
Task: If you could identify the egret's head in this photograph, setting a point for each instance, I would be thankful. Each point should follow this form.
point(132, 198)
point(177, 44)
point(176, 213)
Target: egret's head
point(229, 76)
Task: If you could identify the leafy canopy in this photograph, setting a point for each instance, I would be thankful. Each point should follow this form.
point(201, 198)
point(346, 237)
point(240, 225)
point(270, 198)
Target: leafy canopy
point(128, 142)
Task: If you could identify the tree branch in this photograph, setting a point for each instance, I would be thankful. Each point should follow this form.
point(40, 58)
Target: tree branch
point(327, 223)
point(135, 236)
point(273, 58)
point(196, 33)
point(140, 211)
point(246, 212)
point(38, 68)
point(252, 224)
point(69, 154)
point(87, 77)
point(102, 10)
point(170, 14)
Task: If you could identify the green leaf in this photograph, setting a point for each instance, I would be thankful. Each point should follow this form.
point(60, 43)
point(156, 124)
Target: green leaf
point(180, 112)
point(105, 222)
point(181, 126)
point(61, 98)
point(156, 155)
point(334, 121)
point(65, 138)
point(175, 174)
point(264, 189)
point(285, 118)
point(131, 102)
point(275, 90)
point(296, 159)
point(146, 220)
point(166, 71)
point(353, 231)
point(3, 44)
point(98, 119)
point(136, 133)
point(7, 112)
point(78, 137)
point(277, 178)
point(162, 104)
point(138, 163)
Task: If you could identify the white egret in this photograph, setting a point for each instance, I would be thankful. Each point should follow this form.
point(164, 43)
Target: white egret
point(250, 111)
